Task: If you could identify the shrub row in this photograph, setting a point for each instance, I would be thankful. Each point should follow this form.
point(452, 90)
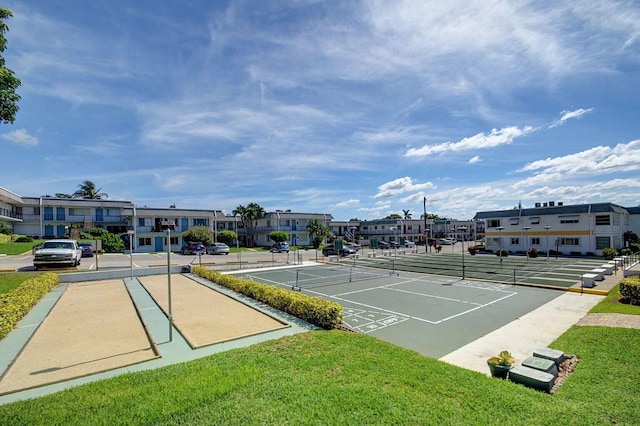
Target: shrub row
point(630, 289)
point(314, 310)
point(17, 303)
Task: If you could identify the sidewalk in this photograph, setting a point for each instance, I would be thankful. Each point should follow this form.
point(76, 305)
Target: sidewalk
point(541, 327)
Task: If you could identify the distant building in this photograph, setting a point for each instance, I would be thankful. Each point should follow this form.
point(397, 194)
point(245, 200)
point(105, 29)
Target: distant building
point(566, 229)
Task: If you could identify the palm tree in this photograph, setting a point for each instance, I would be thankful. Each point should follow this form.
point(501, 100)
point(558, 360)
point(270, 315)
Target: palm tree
point(248, 215)
point(407, 214)
point(87, 190)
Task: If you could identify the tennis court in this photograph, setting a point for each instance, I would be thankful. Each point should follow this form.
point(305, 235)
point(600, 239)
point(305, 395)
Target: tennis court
point(432, 314)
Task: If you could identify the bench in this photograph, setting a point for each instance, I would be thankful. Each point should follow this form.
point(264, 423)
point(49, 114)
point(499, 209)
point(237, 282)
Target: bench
point(333, 258)
point(371, 254)
point(386, 252)
point(552, 354)
point(608, 267)
point(532, 378)
point(599, 272)
point(588, 280)
point(402, 251)
point(542, 364)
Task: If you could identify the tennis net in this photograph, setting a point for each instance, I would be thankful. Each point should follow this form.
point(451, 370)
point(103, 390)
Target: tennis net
point(313, 277)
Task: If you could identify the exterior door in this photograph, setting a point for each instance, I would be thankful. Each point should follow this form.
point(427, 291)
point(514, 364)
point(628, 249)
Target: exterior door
point(99, 215)
point(184, 224)
point(48, 230)
point(159, 244)
point(60, 231)
point(60, 213)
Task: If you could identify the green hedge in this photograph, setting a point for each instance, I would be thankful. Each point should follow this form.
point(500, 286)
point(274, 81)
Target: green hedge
point(18, 302)
point(314, 310)
point(630, 289)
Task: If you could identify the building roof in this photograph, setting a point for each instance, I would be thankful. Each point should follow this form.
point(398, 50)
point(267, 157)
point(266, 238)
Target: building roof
point(554, 210)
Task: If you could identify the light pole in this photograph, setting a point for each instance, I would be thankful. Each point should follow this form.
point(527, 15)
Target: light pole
point(168, 225)
point(500, 228)
point(526, 245)
point(463, 229)
point(547, 228)
point(131, 233)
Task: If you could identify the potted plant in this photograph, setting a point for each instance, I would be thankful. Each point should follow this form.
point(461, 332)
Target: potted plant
point(472, 250)
point(533, 252)
point(501, 364)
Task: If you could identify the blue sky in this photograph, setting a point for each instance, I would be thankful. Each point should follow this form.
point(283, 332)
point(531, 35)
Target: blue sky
point(358, 109)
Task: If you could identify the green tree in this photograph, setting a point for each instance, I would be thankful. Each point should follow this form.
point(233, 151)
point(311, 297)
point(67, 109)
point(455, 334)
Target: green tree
point(111, 243)
point(87, 190)
point(317, 232)
point(200, 234)
point(407, 214)
point(227, 237)
point(394, 216)
point(279, 236)
point(9, 83)
point(63, 195)
point(248, 216)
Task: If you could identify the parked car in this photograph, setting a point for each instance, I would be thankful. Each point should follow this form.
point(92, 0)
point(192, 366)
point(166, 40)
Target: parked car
point(447, 241)
point(410, 244)
point(281, 247)
point(332, 251)
point(58, 253)
point(218, 248)
point(193, 248)
point(87, 249)
point(394, 244)
point(383, 245)
point(353, 246)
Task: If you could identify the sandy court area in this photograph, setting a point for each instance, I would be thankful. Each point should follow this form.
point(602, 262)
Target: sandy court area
point(205, 316)
point(93, 328)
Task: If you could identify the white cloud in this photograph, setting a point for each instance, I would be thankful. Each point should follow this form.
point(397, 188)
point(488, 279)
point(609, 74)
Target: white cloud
point(568, 115)
point(475, 159)
point(399, 186)
point(346, 203)
point(21, 137)
point(496, 138)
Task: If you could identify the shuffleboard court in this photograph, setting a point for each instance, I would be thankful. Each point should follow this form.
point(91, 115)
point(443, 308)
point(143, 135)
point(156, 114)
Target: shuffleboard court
point(431, 314)
point(93, 328)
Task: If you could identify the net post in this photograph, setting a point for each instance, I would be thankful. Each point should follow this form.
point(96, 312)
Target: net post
point(296, 286)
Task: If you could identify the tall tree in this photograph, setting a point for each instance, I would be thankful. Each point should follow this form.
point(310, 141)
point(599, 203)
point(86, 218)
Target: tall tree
point(317, 231)
point(8, 81)
point(248, 215)
point(407, 214)
point(87, 190)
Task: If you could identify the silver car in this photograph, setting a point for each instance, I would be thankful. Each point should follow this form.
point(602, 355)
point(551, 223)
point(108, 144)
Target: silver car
point(218, 248)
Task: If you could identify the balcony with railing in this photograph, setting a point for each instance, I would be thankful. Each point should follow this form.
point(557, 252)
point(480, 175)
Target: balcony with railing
point(10, 214)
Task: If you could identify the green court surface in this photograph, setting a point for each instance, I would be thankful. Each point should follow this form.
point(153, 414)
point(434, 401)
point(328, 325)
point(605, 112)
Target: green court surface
point(561, 272)
point(432, 314)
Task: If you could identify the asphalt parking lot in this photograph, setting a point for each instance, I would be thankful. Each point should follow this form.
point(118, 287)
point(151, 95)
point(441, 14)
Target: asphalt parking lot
point(24, 262)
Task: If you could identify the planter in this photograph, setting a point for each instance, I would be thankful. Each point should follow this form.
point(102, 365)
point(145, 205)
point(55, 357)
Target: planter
point(499, 371)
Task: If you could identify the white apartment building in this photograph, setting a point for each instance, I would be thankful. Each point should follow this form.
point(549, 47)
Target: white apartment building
point(583, 229)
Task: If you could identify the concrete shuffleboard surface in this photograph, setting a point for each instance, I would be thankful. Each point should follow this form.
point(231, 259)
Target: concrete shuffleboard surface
point(94, 327)
point(204, 316)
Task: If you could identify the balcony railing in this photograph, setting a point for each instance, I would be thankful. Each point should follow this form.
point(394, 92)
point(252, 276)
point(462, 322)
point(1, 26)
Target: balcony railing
point(10, 213)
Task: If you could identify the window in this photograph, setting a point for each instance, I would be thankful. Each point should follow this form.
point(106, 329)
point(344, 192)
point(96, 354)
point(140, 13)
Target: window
point(174, 241)
point(141, 221)
point(603, 242)
point(144, 242)
point(569, 241)
point(535, 241)
point(603, 220)
point(36, 211)
point(534, 220)
point(515, 241)
point(514, 221)
point(200, 222)
point(569, 219)
point(78, 211)
point(494, 223)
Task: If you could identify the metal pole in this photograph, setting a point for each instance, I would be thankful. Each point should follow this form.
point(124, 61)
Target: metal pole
point(547, 228)
point(169, 284)
point(130, 256)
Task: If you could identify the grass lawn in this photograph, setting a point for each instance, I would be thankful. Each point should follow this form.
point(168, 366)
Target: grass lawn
point(13, 248)
point(612, 304)
point(335, 377)
point(11, 280)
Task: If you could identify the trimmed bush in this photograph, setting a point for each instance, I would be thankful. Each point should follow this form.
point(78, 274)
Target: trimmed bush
point(630, 289)
point(609, 253)
point(502, 253)
point(314, 310)
point(533, 252)
point(18, 302)
point(23, 239)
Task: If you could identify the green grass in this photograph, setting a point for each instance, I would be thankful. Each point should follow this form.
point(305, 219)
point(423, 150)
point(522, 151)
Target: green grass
point(14, 248)
point(11, 280)
point(612, 304)
point(334, 377)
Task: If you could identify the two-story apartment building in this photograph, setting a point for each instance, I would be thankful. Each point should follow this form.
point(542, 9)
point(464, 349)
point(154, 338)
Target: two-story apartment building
point(566, 229)
point(10, 208)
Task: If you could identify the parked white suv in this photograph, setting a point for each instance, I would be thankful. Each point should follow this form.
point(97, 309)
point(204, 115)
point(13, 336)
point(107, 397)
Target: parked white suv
point(58, 252)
